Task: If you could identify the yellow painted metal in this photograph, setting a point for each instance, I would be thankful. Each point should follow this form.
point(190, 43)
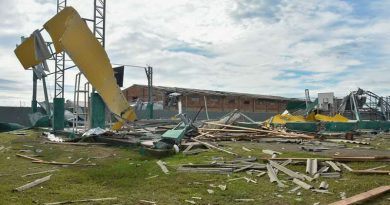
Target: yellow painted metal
point(57, 25)
point(282, 119)
point(25, 53)
point(90, 57)
point(336, 118)
point(311, 117)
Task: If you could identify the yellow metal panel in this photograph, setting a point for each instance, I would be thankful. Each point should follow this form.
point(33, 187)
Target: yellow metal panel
point(336, 118)
point(282, 119)
point(25, 53)
point(57, 25)
point(90, 57)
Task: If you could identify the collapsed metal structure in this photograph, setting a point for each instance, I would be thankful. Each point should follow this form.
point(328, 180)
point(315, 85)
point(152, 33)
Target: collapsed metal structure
point(70, 34)
point(365, 105)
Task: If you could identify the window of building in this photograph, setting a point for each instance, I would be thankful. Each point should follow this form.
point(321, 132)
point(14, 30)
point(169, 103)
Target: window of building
point(232, 101)
point(247, 102)
point(214, 99)
point(195, 99)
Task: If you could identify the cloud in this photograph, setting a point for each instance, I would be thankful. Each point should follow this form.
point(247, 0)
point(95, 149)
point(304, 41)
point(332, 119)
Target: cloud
point(255, 46)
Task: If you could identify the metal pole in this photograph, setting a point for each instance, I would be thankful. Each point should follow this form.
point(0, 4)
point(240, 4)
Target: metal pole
point(46, 96)
point(34, 95)
point(205, 106)
point(149, 76)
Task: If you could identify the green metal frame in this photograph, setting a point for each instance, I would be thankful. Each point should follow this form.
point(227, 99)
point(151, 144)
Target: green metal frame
point(98, 111)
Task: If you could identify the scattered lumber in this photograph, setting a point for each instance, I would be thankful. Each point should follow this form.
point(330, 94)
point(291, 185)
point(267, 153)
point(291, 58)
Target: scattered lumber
point(272, 176)
point(280, 134)
point(286, 170)
point(162, 166)
point(363, 196)
point(32, 184)
point(82, 200)
point(214, 147)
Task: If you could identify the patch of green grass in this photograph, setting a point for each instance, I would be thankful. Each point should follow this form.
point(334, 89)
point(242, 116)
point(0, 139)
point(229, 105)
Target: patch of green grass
point(122, 173)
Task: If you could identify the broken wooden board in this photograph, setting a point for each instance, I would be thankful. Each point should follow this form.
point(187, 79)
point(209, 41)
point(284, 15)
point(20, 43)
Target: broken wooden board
point(363, 196)
point(281, 134)
point(272, 176)
point(371, 171)
point(162, 166)
point(286, 170)
point(82, 200)
point(302, 184)
point(211, 170)
point(32, 184)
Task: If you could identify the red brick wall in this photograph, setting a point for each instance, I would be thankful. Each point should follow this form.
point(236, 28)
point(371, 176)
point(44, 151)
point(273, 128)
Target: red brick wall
point(193, 102)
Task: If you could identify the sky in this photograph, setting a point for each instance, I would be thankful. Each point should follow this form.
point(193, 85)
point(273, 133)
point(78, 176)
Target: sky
point(275, 47)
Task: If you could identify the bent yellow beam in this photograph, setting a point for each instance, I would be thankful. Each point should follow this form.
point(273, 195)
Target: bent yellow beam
point(84, 49)
point(57, 25)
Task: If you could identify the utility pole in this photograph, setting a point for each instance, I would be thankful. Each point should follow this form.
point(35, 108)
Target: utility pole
point(149, 76)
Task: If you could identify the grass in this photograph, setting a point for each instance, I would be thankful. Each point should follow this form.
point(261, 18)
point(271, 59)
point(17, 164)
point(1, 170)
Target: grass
point(122, 172)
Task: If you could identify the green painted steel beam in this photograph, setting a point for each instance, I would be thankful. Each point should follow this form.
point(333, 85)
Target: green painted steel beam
point(58, 114)
point(98, 111)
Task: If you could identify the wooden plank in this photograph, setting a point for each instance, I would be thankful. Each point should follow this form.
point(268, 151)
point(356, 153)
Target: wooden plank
point(264, 131)
point(28, 157)
point(362, 159)
point(302, 184)
point(243, 168)
point(286, 170)
point(228, 130)
point(295, 158)
point(62, 163)
point(162, 166)
point(272, 176)
point(217, 170)
point(371, 171)
point(363, 196)
point(214, 147)
point(82, 200)
point(32, 184)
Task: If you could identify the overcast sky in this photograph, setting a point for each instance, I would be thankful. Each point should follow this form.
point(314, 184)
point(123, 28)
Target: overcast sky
point(272, 47)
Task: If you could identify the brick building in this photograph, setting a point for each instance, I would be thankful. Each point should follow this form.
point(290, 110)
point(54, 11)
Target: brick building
point(193, 99)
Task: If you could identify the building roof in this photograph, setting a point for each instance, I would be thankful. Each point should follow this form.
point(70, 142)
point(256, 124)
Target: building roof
point(215, 93)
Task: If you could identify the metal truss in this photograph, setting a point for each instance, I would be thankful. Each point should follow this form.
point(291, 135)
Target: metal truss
point(59, 75)
point(99, 18)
